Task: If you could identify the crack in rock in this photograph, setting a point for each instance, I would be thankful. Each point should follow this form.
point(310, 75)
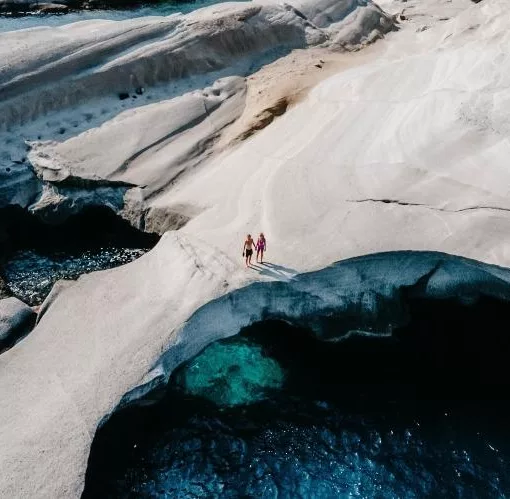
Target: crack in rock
point(426, 206)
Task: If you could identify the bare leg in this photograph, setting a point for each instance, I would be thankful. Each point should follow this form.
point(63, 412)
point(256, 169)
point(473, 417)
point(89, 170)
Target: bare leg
point(258, 253)
point(246, 261)
point(249, 260)
point(261, 255)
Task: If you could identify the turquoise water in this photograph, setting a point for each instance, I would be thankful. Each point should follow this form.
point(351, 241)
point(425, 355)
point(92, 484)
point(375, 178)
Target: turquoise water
point(232, 373)
point(162, 9)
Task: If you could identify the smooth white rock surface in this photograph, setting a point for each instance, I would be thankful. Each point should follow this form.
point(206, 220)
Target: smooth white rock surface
point(407, 152)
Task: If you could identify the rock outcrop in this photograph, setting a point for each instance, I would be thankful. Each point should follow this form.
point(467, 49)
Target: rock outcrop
point(60, 381)
point(98, 356)
point(178, 81)
point(16, 321)
point(365, 296)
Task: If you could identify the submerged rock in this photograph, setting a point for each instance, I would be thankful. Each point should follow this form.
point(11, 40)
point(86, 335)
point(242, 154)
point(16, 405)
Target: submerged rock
point(16, 320)
point(231, 374)
point(31, 275)
point(4, 290)
point(50, 8)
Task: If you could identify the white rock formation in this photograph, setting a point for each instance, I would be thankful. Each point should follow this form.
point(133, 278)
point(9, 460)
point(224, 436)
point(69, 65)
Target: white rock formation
point(173, 137)
point(60, 381)
point(407, 150)
point(64, 91)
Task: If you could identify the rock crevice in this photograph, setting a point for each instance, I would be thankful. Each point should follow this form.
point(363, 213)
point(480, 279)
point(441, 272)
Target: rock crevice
point(427, 206)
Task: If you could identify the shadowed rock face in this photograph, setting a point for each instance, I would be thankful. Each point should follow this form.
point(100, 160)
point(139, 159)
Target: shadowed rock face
point(97, 225)
point(356, 377)
point(275, 410)
point(16, 320)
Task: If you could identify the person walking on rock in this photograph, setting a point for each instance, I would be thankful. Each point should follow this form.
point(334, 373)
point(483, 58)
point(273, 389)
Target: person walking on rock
point(261, 247)
point(248, 249)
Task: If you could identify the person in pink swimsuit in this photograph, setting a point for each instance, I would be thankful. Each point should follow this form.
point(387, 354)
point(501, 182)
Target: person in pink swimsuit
point(261, 247)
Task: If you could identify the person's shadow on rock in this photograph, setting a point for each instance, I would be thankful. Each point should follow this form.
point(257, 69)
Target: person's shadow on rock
point(275, 271)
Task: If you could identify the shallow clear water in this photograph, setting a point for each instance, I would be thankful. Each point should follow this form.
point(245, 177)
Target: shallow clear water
point(232, 373)
point(162, 9)
point(267, 414)
point(30, 274)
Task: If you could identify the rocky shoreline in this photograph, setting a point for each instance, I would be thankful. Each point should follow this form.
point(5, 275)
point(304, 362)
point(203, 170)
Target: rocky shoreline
point(16, 8)
point(244, 117)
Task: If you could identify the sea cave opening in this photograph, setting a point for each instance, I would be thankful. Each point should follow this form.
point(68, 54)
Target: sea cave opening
point(35, 254)
point(276, 412)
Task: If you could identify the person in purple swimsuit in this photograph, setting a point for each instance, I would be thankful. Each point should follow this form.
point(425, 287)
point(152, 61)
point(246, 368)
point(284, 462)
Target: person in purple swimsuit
point(261, 247)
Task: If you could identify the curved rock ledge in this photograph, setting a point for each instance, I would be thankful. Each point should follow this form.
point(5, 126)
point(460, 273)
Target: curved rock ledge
point(86, 60)
point(53, 408)
point(363, 296)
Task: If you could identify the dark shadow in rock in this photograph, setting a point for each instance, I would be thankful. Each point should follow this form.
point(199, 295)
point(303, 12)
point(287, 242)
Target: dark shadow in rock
point(16, 321)
point(35, 254)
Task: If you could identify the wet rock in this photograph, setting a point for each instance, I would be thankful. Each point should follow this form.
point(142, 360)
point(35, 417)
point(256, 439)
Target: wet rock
point(16, 321)
point(36, 254)
point(19, 186)
point(4, 290)
point(51, 8)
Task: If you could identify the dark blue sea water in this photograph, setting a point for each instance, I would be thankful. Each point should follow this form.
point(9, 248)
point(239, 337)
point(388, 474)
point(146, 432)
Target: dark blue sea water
point(30, 274)
point(160, 9)
point(272, 413)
